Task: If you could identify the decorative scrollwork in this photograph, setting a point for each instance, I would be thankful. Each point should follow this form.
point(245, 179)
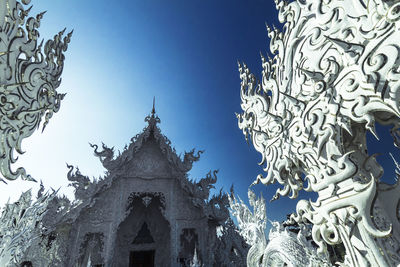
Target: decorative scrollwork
point(146, 198)
point(29, 77)
point(252, 225)
point(282, 247)
point(334, 74)
point(23, 224)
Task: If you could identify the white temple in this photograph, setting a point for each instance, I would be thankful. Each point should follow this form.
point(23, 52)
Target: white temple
point(335, 72)
point(144, 212)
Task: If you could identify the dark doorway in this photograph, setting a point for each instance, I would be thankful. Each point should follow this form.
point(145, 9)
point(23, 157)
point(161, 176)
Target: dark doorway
point(141, 258)
point(26, 264)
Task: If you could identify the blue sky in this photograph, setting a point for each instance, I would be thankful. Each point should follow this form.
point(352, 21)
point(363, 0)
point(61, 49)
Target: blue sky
point(122, 53)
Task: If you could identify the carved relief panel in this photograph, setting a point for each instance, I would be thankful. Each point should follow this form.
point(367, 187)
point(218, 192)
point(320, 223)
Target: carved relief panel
point(189, 242)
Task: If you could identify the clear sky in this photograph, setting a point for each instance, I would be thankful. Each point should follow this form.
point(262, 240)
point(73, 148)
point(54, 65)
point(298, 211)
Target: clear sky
point(122, 53)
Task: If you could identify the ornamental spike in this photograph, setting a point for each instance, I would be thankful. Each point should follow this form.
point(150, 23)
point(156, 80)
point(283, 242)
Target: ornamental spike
point(153, 111)
point(351, 49)
point(313, 75)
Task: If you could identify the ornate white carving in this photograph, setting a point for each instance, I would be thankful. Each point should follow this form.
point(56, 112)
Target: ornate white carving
point(146, 198)
point(25, 224)
point(283, 248)
point(28, 80)
point(335, 73)
point(251, 224)
point(230, 247)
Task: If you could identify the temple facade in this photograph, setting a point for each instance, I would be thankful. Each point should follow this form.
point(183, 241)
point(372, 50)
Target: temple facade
point(144, 212)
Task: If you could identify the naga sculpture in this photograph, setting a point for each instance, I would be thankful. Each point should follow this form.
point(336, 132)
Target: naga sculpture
point(335, 72)
point(29, 77)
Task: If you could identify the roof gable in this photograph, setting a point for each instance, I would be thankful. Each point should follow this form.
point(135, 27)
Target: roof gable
point(150, 135)
point(149, 162)
point(149, 155)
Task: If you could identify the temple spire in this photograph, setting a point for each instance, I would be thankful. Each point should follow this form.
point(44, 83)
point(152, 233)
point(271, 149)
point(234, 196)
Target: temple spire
point(153, 119)
point(153, 111)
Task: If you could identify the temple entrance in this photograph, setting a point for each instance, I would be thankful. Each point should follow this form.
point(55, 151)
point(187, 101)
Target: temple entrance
point(143, 231)
point(141, 258)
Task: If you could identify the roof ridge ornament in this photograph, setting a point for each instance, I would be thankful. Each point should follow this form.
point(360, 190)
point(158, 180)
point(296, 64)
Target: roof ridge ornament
point(152, 119)
point(153, 111)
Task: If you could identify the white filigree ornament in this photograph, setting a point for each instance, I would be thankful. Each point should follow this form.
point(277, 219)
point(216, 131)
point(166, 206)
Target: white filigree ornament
point(334, 74)
point(29, 77)
point(281, 247)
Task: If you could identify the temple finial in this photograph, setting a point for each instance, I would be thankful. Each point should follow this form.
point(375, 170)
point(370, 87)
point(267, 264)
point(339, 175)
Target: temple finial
point(153, 111)
point(153, 119)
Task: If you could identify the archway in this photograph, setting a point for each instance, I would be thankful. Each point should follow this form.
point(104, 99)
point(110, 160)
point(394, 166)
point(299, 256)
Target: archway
point(143, 238)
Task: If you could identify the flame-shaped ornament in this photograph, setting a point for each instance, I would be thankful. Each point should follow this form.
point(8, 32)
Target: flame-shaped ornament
point(334, 73)
point(29, 77)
